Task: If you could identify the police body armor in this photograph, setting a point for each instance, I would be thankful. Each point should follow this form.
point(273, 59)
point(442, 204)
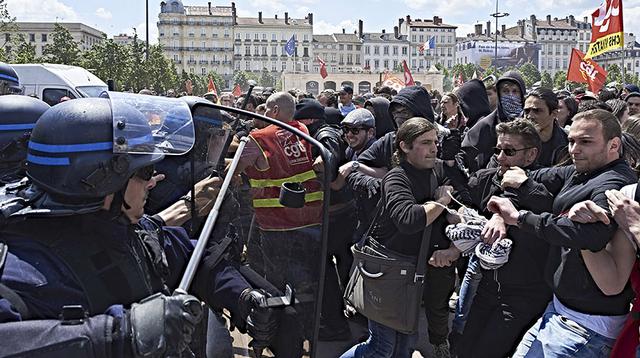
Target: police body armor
point(125, 265)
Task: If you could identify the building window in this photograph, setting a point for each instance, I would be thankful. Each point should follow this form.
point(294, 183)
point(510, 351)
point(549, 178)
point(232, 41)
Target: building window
point(385, 50)
point(237, 65)
point(341, 47)
point(283, 66)
point(305, 37)
point(386, 64)
point(274, 51)
point(204, 70)
point(247, 36)
point(357, 59)
point(274, 37)
point(367, 50)
point(306, 67)
point(367, 64)
point(247, 65)
point(376, 64)
point(32, 37)
point(273, 66)
point(237, 36)
point(395, 64)
point(256, 36)
point(349, 47)
point(404, 50)
point(376, 50)
point(395, 50)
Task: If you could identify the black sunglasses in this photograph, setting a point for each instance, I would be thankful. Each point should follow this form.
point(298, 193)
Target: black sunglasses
point(145, 173)
point(353, 130)
point(509, 152)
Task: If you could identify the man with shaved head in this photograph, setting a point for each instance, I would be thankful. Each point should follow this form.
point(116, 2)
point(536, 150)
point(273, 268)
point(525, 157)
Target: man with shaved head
point(290, 237)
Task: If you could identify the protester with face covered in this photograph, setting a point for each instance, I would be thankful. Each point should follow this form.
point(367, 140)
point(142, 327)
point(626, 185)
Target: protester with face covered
point(481, 138)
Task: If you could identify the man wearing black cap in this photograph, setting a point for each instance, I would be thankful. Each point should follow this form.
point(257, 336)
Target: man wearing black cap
point(633, 103)
point(346, 95)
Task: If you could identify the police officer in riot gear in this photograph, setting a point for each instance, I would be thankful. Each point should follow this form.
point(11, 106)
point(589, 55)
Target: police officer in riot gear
point(18, 116)
point(86, 273)
point(9, 83)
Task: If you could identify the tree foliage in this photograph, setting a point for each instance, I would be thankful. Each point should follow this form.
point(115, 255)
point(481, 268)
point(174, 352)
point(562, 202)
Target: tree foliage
point(546, 81)
point(530, 74)
point(25, 52)
point(614, 73)
point(63, 49)
point(560, 79)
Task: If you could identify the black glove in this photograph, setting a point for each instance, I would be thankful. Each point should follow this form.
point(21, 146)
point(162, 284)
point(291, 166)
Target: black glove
point(262, 322)
point(451, 145)
point(162, 325)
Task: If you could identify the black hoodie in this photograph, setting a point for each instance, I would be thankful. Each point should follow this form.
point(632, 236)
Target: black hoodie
point(478, 143)
point(473, 101)
point(384, 122)
point(417, 99)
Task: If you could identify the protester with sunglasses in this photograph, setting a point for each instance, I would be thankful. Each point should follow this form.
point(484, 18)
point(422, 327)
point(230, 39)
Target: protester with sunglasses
point(509, 299)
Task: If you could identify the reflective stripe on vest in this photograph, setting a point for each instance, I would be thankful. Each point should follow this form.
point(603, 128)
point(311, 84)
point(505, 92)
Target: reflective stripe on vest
point(275, 202)
point(298, 178)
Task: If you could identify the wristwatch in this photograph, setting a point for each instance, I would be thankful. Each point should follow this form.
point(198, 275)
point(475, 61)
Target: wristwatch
point(355, 165)
point(522, 215)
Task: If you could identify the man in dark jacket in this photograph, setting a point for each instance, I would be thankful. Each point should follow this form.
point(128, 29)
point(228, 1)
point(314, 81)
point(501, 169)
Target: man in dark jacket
point(473, 101)
point(541, 107)
point(580, 316)
point(510, 298)
point(478, 143)
point(379, 107)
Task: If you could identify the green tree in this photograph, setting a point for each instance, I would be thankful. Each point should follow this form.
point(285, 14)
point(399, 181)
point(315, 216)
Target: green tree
point(63, 49)
point(546, 81)
point(614, 73)
point(139, 79)
point(109, 60)
point(266, 79)
point(7, 22)
point(560, 79)
point(530, 74)
point(160, 72)
point(218, 80)
point(242, 78)
point(24, 52)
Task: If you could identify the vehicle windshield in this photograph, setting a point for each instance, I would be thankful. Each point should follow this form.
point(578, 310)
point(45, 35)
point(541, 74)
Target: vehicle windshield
point(91, 91)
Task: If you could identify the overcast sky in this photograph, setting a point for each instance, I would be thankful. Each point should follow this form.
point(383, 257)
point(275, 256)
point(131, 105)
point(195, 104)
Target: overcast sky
point(121, 16)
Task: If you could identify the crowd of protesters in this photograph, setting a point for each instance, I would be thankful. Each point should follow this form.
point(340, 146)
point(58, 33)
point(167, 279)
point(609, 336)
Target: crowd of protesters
point(541, 168)
point(534, 221)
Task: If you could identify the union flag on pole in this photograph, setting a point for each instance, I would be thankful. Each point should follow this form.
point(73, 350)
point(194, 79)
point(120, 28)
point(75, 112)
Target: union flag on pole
point(323, 68)
point(408, 79)
point(607, 32)
point(586, 71)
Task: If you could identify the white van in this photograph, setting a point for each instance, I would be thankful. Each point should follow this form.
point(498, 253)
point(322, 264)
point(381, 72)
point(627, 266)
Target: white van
point(51, 82)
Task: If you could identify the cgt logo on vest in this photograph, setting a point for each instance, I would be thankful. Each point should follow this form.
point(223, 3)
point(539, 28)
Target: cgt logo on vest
point(293, 148)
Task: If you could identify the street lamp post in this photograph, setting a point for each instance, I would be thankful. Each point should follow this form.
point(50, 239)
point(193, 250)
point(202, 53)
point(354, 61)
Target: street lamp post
point(147, 28)
point(497, 15)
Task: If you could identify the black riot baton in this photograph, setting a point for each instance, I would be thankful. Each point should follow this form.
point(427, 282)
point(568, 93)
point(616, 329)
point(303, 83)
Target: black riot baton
point(198, 251)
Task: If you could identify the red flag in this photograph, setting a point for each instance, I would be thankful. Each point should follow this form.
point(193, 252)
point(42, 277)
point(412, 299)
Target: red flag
point(212, 87)
point(408, 79)
point(459, 80)
point(237, 91)
point(323, 68)
point(607, 32)
point(586, 71)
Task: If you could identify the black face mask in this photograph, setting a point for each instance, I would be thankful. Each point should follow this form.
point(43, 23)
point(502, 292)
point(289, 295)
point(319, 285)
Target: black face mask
point(315, 126)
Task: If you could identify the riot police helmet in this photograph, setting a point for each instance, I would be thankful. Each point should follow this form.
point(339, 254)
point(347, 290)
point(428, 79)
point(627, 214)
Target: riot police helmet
point(71, 154)
point(18, 116)
point(9, 82)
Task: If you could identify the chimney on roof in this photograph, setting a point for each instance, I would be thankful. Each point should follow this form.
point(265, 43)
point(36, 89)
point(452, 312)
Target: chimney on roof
point(360, 29)
point(286, 18)
point(504, 30)
point(400, 22)
point(521, 28)
point(549, 19)
point(276, 16)
point(209, 7)
point(383, 31)
point(572, 20)
point(437, 20)
point(408, 20)
point(533, 20)
point(586, 19)
point(260, 17)
point(344, 31)
point(310, 18)
point(478, 30)
point(488, 30)
point(234, 15)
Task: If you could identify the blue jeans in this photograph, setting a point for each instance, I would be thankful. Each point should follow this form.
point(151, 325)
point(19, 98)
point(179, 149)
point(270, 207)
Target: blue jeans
point(468, 289)
point(556, 336)
point(383, 342)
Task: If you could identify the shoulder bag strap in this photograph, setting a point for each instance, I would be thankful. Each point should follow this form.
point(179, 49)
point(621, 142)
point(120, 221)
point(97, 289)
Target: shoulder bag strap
point(421, 266)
